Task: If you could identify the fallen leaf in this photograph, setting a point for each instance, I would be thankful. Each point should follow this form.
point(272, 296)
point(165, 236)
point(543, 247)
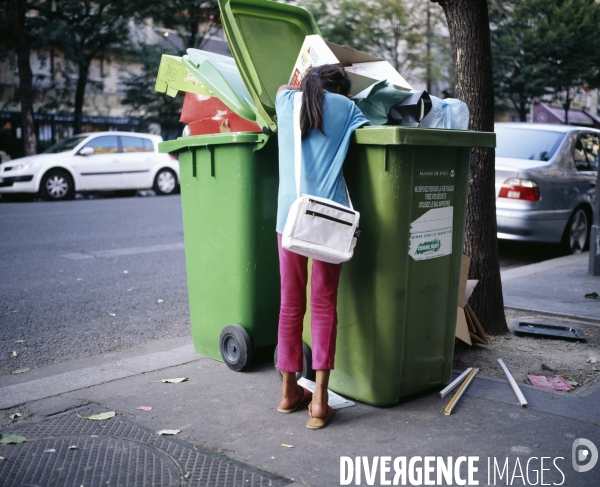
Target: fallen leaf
point(2, 458)
point(188, 475)
point(74, 447)
point(19, 341)
point(21, 371)
point(15, 415)
point(285, 445)
point(593, 295)
point(524, 349)
point(101, 416)
point(11, 439)
point(175, 381)
point(14, 354)
point(168, 432)
point(536, 446)
point(573, 382)
point(50, 450)
point(145, 408)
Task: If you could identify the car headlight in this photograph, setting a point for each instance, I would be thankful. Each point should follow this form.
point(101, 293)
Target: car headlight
point(22, 166)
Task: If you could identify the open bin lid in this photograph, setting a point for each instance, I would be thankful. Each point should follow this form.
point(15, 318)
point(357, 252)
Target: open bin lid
point(221, 77)
point(250, 27)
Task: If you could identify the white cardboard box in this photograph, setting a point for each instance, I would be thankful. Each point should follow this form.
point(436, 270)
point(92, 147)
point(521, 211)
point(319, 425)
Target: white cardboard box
point(362, 68)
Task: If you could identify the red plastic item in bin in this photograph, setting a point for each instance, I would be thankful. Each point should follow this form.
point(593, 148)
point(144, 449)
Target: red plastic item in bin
point(209, 115)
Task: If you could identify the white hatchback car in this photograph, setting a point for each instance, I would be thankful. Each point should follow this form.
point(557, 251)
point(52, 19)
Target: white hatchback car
point(99, 161)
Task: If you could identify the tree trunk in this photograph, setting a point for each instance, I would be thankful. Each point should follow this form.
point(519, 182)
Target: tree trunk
point(84, 69)
point(567, 107)
point(523, 111)
point(468, 24)
point(18, 8)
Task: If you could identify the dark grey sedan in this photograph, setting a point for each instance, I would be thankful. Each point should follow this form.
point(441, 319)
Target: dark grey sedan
point(546, 183)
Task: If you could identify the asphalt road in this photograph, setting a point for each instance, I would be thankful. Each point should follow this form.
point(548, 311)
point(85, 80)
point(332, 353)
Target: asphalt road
point(83, 278)
point(86, 277)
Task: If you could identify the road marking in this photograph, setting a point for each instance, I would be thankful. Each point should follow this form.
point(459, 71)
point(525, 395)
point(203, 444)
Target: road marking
point(121, 252)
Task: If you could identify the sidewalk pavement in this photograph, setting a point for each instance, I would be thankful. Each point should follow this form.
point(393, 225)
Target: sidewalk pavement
point(231, 433)
point(557, 287)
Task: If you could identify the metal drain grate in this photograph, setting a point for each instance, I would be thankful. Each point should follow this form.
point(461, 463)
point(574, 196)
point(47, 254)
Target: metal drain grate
point(122, 453)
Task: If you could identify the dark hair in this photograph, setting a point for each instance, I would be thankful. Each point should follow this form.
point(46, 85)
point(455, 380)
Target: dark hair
point(327, 77)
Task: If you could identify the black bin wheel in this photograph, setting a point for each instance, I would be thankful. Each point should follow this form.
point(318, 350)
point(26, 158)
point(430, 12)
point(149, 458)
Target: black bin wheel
point(235, 347)
point(307, 370)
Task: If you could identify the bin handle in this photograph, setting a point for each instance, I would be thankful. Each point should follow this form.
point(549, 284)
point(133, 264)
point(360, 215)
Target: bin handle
point(211, 160)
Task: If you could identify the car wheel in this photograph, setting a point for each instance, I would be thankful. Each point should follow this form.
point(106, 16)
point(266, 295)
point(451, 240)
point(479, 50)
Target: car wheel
point(235, 347)
point(307, 370)
point(57, 186)
point(165, 182)
point(577, 233)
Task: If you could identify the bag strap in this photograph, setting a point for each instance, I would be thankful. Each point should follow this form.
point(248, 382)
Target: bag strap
point(298, 147)
point(297, 141)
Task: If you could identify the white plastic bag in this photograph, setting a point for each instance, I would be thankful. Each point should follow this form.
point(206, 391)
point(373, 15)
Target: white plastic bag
point(447, 114)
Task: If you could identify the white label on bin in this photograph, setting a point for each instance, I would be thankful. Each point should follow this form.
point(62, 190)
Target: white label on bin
point(431, 234)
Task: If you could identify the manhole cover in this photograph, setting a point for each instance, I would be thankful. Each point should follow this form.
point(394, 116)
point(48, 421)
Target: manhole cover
point(69, 450)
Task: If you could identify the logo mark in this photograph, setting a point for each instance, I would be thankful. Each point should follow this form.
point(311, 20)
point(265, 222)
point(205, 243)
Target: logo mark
point(429, 247)
point(588, 455)
point(452, 173)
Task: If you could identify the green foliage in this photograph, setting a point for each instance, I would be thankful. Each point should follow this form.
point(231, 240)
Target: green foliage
point(408, 33)
point(82, 29)
point(192, 20)
point(544, 47)
point(147, 104)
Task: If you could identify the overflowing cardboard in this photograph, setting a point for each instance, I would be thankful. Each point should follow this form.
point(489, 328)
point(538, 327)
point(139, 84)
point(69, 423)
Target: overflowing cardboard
point(362, 68)
point(468, 328)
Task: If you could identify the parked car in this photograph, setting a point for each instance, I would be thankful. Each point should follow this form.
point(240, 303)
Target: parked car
point(99, 161)
point(546, 183)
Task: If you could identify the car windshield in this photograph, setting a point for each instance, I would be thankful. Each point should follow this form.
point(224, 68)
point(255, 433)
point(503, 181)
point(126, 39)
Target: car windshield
point(535, 145)
point(64, 145)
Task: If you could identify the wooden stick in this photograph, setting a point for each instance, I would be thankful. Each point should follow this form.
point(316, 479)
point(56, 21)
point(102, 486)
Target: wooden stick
point(460, 392)
point(444, 392)
point(513, 384)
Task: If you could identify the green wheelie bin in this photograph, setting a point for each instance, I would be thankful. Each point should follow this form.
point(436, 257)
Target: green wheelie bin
point(398, 296)
point(229, 184)
point(229, 187)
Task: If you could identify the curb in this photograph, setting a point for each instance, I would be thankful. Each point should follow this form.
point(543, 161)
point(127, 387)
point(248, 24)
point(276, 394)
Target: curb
point(561, 316)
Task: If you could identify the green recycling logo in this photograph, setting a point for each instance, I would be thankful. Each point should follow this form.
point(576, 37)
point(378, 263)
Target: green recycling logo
point(430, 247)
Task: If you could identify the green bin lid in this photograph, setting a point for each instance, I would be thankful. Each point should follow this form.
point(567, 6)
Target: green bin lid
point(221, 77)
point(265, 38)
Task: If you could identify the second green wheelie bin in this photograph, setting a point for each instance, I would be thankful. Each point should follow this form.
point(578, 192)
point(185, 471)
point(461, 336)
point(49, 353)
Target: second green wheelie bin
point(398, 296)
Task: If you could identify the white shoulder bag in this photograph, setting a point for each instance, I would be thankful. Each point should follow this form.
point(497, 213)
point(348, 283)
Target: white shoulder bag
point(316, 227)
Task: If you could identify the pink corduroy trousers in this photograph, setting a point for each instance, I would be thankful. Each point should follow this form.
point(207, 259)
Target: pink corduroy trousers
point(324, 282)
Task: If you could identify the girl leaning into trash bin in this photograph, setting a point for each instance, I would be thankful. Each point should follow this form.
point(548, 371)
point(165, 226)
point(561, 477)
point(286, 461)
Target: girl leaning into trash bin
point(327, 120)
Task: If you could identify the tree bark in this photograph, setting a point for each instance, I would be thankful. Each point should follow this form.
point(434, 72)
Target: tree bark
point(26, 95)
point(84, 69)
point(468, 24)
